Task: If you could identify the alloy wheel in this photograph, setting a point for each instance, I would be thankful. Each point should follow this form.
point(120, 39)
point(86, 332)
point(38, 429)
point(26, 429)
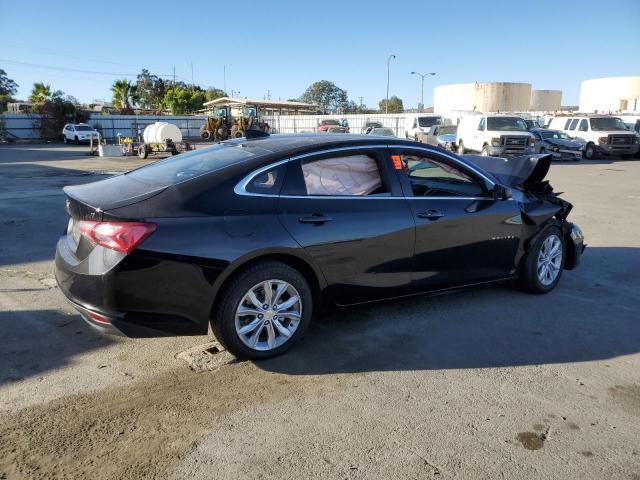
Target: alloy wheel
point(268, 315)
point(549, 260)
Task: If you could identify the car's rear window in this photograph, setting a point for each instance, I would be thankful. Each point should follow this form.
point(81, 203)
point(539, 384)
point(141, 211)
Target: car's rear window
point(195, 163)
point(83, 128)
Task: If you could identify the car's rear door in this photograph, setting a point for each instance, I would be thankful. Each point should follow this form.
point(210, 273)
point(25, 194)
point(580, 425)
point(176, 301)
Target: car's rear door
point(345, 208)
point(463, 234)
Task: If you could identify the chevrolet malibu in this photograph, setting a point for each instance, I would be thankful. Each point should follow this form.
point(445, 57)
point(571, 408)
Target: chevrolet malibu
point(253, 236)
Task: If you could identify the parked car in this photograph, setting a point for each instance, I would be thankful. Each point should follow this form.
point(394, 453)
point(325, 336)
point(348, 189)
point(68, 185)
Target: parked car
point(494, 135)
point(251, 236)
point(79, 133)
point(326, 124)
point(531, 124)
point(602, 135)
point(415, 123)
point(436, 131)
point(558, 144)
point(369, 124)
point(384, 131)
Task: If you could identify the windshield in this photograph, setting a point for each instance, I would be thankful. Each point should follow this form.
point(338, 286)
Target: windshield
point(220, 112)
point(607, 123)
point(383, 131)
point(555, 134)
point(330, 122)
point(447, 129)
point(195, 163)
point(83, 128)
point(429, 121)
point(506, 124)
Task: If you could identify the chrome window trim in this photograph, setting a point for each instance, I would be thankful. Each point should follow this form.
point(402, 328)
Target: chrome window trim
point(240, 188)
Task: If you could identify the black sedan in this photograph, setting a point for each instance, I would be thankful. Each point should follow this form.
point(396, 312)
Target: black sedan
point(252, 236)
point(558, 144)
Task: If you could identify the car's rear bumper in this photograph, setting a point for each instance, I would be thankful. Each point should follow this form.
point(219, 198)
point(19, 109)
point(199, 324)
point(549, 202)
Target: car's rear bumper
point(140, 296)
point(575, 246)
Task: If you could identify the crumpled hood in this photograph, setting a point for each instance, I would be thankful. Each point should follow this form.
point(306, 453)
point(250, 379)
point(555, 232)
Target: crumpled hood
point(563, 142)
point(526, 170)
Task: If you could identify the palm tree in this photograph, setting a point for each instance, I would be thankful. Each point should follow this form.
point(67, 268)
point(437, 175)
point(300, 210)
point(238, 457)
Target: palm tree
point(40, 93)
point(124, 94)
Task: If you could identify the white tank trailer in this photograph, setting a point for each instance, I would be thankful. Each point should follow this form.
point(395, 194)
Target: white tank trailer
point(161, 137)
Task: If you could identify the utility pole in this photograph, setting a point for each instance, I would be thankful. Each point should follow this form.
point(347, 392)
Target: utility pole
point(193, 84)
point(422, 85)
point(386, 105)
point(224, 78)
point(361, 98)
point(174, 77)
point(268, 94)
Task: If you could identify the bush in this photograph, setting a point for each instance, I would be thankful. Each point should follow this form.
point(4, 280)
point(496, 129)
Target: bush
point(54, 114)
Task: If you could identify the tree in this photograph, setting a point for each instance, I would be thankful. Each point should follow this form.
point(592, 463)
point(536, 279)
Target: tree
point(181, 100)
point(212, 93)
point(395, 105)
point(328, 96)
point(41, 92)
point(124, 95)
point(54, 114)
point(150, 90)
point(7, 86)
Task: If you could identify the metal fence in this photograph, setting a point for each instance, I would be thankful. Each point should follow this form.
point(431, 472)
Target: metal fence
point(24, 126)
point(310, 123)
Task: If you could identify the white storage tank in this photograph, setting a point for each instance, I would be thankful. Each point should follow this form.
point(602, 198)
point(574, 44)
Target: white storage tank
point(546, 100)
point(160, 132)
point(483, 97)
point(610, 95)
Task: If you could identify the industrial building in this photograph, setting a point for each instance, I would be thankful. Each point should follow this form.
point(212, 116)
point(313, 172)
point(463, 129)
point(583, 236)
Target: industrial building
point(610, 95)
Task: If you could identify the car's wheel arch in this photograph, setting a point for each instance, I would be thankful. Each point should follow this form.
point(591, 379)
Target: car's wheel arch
point(291, 257)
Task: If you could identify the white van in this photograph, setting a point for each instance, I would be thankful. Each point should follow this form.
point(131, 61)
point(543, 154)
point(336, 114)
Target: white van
point(602, 134)
point(494, 135)
point(415, 123)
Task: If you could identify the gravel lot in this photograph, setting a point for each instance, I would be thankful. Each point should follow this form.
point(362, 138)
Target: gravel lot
point(485, 383)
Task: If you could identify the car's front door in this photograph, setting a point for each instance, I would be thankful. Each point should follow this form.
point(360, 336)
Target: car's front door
point(463, 234)
point(346, 209)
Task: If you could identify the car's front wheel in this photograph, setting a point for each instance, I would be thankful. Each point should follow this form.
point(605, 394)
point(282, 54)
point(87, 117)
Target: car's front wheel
point(461, 149)
point(542, 267)
point(264, 311)
point(65, 139)
point(590, 151)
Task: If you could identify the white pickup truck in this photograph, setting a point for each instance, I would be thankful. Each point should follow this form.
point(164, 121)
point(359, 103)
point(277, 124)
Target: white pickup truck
point(494, 135)
point(603, 135)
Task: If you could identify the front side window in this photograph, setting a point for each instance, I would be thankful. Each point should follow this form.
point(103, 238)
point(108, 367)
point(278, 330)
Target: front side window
point(433, 178)
point(482, 123)
point(353, 175)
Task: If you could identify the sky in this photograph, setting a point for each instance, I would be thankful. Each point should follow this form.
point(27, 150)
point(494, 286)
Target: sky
point(279, 48)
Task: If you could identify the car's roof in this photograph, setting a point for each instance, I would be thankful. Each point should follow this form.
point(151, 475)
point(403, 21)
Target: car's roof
point(313, 141)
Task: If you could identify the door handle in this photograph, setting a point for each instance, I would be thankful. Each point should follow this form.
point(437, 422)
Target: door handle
point(431, 214)
point(316, 218)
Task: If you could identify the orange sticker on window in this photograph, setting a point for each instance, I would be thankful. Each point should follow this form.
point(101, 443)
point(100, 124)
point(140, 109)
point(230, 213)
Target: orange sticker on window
point(397, 162)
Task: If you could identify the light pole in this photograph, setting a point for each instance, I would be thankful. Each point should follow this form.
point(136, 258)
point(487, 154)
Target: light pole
point(422, 85)
point(386, 105)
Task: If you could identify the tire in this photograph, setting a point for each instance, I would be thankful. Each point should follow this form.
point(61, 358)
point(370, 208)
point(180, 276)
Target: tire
point(142, 152)
point(65, 139)
point(415, 138)
point(206, 135)
point(532, 275)
point(461, 149)
point(226, 324)
point(485, 151)
point(542, 150)
point(590, 152)
point(76, 140)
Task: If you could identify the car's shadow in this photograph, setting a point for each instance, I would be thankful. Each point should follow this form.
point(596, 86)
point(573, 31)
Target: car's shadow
point(592, 315)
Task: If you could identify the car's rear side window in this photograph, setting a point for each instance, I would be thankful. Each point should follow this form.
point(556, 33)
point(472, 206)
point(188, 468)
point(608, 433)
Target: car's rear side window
point(353, 175)
point(192, 164)
point(267, 183)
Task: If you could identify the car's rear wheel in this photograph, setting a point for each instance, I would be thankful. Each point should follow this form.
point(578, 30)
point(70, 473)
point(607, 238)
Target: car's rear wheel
point(264, 311)
point(65, 139)
point(542, 267)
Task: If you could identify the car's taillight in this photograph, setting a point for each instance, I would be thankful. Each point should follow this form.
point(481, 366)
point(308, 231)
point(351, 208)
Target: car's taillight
point(120, 236)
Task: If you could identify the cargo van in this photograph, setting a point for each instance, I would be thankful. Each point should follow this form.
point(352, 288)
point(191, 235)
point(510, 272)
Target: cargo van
point(415, 123)
point(494, 135)
point(602, 134)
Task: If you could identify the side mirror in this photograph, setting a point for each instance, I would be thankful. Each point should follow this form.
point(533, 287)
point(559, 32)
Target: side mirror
point(501, 193)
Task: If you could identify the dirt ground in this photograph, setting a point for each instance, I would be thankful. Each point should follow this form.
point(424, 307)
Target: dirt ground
point(485, 383)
